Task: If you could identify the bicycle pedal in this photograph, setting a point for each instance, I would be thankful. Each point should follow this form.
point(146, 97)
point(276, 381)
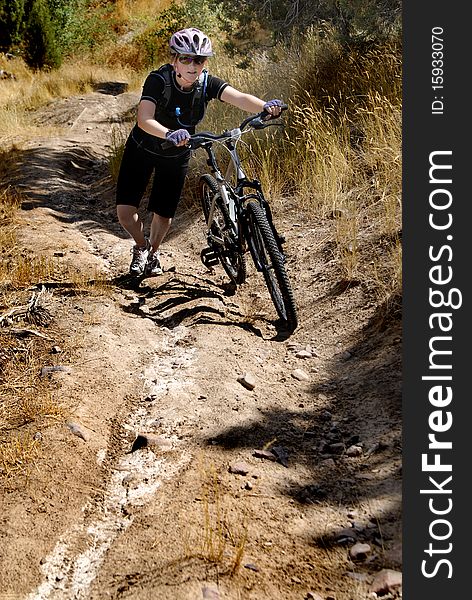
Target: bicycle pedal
point(209, 257)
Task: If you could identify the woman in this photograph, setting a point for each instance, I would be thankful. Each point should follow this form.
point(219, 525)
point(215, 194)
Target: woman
point(173, 102)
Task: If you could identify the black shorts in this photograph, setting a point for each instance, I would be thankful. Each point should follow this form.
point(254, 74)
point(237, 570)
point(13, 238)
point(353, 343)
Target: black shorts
point(137, 166)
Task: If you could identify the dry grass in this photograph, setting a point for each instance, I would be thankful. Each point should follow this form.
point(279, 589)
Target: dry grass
point(28, 403)
point(127, 10)
point(117, 143)
point(222, 543)
point(18, 455)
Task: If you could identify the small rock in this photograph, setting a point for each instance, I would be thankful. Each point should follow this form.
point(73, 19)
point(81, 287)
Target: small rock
point(210, 592)
point(248, 381)
point(296, 579)
point(326, 415)
point(281, 454)
point(38, 436)
point(337, 448)
point(354, 451)
point(266, 454)
point(303, 354)
point(54, 369)
point(239, 468)
point(147, 440)
point(357, 526)
point(328, 463)
point(377, 447)
point(150, 398)
point(248, 485)
point(313, 596)
point(346, 536)
point(78, 430)
point(132, 480)
point(300, 375)
point(251, 567)
point(56, 350)
point(360, 551)
point(387, 580)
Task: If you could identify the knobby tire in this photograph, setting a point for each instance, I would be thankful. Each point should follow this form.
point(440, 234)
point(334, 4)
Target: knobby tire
point(267, 256)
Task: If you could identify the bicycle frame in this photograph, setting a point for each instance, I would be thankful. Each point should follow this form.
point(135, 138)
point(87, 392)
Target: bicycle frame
point(226, 190)
point(235, 195)
point(232, 194)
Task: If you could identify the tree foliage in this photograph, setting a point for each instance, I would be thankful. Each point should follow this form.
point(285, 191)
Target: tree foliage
point(12, 13)
point(43, 31)
point(354, 20)
point(41, 48)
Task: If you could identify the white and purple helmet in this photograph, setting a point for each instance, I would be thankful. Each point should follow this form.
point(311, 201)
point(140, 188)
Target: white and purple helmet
point(191, 41)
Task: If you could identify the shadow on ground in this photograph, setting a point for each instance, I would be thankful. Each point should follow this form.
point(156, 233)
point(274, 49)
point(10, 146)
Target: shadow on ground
point(360, 408)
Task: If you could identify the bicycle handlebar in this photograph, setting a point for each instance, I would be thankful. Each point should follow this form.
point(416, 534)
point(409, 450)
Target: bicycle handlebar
point(259, 121)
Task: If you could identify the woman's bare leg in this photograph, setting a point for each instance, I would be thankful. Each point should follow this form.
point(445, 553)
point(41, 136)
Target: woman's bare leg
point(130, 221)
point(159, 228)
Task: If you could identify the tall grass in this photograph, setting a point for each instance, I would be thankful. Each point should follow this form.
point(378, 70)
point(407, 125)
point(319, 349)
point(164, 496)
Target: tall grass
point(340, 151)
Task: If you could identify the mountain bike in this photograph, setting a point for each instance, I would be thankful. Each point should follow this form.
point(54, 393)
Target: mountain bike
point(239, 219)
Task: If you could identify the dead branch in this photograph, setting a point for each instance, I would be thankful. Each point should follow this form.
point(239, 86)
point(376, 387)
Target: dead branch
point(33, 312)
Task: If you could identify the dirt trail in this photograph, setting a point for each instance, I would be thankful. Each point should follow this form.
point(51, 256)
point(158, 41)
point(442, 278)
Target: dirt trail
point(108, 517)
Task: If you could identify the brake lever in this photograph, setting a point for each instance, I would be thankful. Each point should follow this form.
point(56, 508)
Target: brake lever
point(258, 123)
point(261, 124)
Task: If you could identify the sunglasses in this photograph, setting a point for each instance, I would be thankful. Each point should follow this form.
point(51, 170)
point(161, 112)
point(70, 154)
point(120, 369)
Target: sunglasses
point(187, 60)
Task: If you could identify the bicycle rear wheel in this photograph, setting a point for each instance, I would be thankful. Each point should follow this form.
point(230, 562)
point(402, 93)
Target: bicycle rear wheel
point(268, 259)
point(222, 237)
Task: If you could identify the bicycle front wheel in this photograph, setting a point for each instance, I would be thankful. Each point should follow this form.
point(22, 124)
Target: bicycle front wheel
point(222, 237)
point(268, 259)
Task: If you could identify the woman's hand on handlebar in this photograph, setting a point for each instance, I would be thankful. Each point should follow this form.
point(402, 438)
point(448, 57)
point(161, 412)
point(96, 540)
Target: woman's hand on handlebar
point(179, 137)
point(273, 107)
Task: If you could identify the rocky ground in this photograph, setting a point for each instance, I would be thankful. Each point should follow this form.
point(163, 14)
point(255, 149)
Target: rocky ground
point(172, 477)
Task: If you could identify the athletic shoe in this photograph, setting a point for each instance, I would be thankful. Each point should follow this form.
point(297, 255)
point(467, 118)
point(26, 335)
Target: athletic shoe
point(153, 265)
point(138, 263)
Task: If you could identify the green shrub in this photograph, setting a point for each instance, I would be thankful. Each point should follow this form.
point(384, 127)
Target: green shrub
point(41, 47)
point(12, 13)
